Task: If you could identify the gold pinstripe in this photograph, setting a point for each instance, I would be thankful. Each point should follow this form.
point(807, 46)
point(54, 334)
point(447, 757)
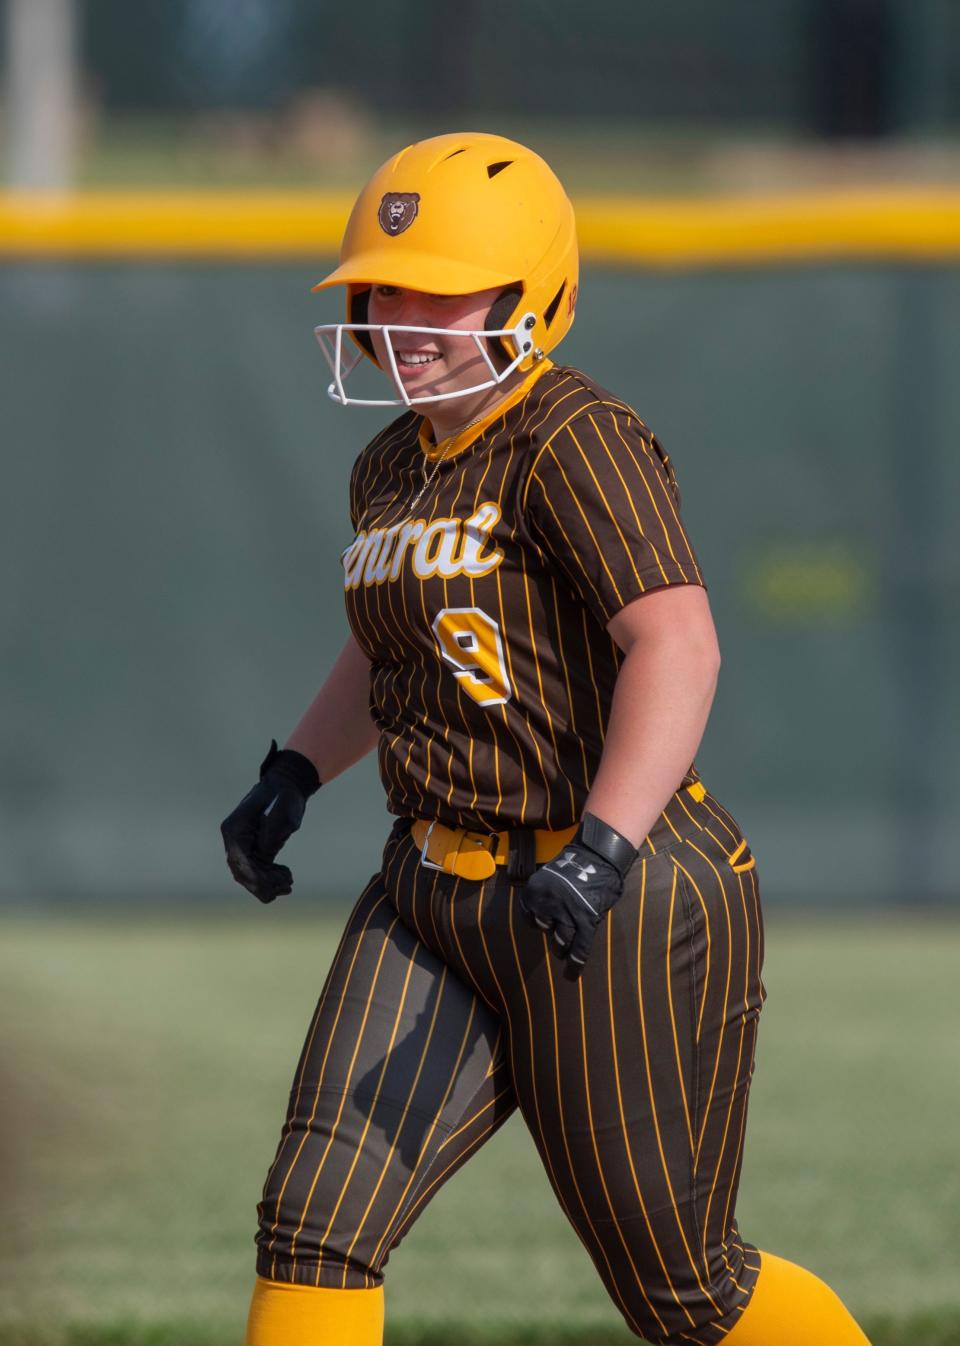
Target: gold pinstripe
point(473, 601)
point(513, 681)
point(494, 1064)
point(598, 1241)
point(505, 627)
point(496, 981)
point(511, 1039)
point(343, 1098)
point(535, 425)
point(400, 441)
point(532, 1050)
point(409, 746)
point(392, 1225)
point(593, 537)
point(435, 688)
point(759, 928)
point(714, 838)
point(665, 815)
point(726, 993)
point(389, 1224)
point(673, 1017)
point(603, 497)
point(543, 702)
point(437, 1181)
point(323, 1066)
point(603, 1181)
point(493, 732)
point(545, 446)
point(706, 925)
point(402, 1000)
point(471, 975)
point(627, 493)
point(651, 1093)
point(415, 894)
point(402, 1218)
point(331, 976)
point(737, 1160)
point(432, 910)
point(423, 665)
point(626, 1130)
point(571, 709)
point(571, 549)
point(377, 699)
point(668, 495)
point(491, 1102)
point(736, 1075)
point(452, 509)
point(601, 726)
point(425, 677)
point(407, 440)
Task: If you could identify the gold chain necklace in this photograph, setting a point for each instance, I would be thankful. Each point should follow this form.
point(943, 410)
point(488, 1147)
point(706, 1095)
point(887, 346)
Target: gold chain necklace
point(426, 482)
point(442, 458)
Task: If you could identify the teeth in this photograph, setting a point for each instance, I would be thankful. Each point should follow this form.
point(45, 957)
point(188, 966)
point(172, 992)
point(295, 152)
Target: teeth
point(416, 358)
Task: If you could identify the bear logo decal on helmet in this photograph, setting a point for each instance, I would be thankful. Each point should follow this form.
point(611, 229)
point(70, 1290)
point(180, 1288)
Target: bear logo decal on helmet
point(397, 212)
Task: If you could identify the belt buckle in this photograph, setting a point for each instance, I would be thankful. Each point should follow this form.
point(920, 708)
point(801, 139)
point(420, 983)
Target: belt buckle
point(477, 864)
point(429, 864)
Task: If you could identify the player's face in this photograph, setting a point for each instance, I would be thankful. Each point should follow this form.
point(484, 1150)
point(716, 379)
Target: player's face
point(429, 365)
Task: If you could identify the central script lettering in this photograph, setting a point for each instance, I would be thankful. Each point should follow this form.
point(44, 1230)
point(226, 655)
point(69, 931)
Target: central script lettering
point(444, 547)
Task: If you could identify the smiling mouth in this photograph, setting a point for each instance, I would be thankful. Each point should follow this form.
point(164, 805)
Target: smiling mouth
point(416, 359)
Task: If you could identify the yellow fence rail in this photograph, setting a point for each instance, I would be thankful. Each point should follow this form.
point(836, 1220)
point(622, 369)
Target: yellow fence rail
point(918, 225)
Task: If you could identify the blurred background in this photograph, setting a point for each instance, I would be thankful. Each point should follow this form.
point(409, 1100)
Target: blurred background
point(769, 197)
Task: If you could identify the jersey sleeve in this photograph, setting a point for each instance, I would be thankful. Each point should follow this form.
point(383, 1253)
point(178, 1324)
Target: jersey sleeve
point(601, 500)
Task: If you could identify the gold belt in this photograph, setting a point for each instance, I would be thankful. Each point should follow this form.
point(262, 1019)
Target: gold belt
point(475, 855)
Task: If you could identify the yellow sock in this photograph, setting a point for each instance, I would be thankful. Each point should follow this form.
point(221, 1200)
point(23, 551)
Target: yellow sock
point(791, 1307)
point(305, 1315)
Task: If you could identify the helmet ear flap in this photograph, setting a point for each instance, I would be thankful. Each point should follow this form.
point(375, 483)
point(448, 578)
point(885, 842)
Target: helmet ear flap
point(358, 308)
point(501, 311)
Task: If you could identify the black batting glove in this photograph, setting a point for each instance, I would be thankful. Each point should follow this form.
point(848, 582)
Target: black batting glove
point(265, 819)
point(569, 896)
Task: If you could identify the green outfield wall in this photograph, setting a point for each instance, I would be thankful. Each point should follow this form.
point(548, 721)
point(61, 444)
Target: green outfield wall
point(174, 507)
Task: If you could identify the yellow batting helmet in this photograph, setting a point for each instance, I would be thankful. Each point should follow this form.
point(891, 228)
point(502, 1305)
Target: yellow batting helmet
point(460, 213)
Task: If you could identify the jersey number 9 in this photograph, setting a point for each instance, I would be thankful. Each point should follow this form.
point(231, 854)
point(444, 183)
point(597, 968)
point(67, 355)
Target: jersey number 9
point(470, 641)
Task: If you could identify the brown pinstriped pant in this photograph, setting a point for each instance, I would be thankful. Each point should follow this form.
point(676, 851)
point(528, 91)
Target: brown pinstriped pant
point(444, 1010)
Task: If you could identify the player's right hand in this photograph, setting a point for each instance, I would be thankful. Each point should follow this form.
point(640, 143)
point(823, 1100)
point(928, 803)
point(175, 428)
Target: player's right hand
point(265, 819)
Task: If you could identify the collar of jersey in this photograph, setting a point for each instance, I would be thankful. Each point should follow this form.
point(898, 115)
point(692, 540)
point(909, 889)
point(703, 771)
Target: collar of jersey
point(455, 444)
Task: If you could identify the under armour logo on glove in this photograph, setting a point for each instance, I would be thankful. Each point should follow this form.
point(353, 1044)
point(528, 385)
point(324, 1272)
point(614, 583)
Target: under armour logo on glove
point(568, 897)
point(570, 858)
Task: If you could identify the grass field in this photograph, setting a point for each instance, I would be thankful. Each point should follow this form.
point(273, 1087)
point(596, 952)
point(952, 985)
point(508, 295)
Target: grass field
point(145, 1068)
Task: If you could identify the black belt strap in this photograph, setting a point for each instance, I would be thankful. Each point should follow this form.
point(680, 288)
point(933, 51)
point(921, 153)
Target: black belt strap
point(521, 854)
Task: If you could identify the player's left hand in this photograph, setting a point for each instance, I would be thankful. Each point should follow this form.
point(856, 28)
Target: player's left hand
point(569, 896)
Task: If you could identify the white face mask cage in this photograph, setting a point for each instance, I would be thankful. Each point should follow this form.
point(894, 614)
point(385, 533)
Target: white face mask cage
point(342, 365)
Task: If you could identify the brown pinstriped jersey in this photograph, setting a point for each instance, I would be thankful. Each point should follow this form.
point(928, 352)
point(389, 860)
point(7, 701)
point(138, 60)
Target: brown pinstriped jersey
point(483, 603)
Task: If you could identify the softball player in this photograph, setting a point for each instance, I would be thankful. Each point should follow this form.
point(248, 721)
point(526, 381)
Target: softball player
point(565, 920)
